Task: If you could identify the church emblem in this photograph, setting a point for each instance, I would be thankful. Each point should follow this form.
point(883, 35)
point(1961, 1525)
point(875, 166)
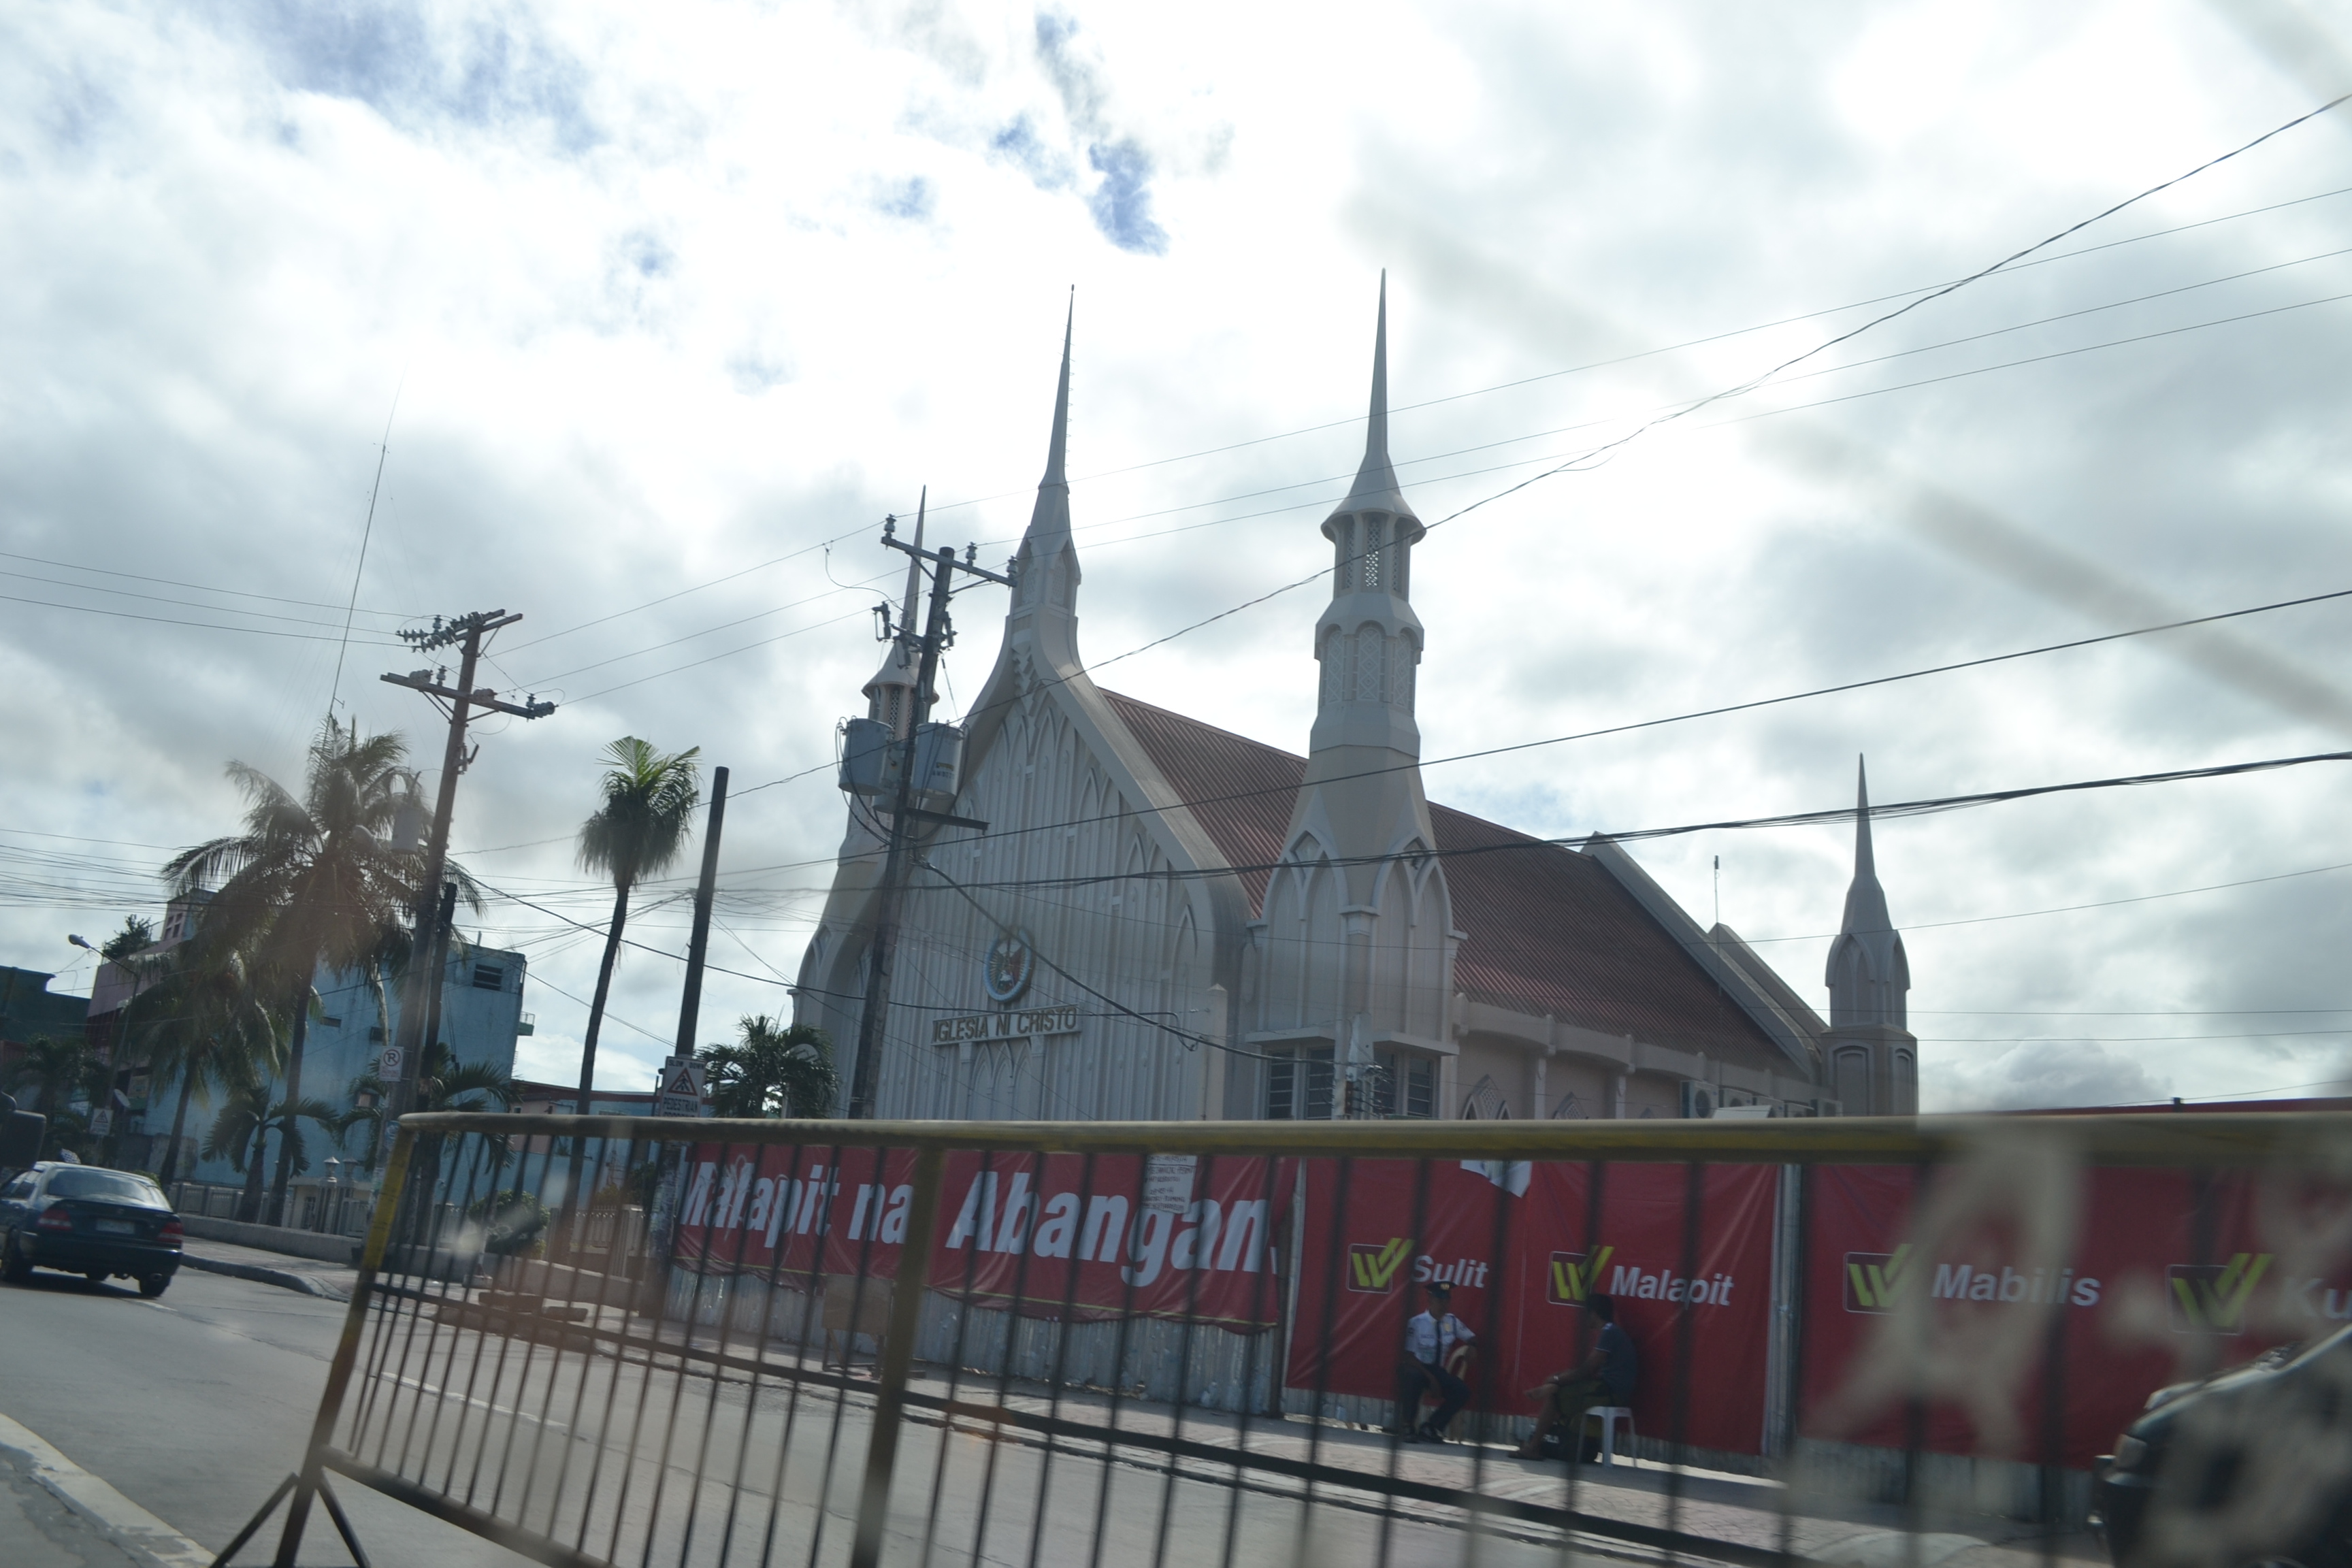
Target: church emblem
point(1008, 966)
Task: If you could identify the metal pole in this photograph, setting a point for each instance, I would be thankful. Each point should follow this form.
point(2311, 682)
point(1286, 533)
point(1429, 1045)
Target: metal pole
point(894, 870)
point(347, 1353)
point(698, 946)
point(410, 1035)
point(897, 1355)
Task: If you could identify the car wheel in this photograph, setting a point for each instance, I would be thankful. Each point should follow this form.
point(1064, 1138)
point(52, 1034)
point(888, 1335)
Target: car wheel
point(13, 1266)
point(154, 1285)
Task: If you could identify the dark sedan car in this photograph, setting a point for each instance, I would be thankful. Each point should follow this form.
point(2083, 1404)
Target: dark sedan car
point(2252, 1466)
point(83, 1220)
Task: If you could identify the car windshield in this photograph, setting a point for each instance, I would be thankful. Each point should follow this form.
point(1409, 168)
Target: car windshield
point(112, 1185)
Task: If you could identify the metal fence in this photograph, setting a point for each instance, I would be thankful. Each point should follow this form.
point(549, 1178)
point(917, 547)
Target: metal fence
point(331, 1210)
point(1077, 1343)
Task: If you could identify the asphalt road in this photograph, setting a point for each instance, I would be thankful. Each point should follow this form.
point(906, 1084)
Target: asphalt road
point(197, 1406)
point(194, 1406)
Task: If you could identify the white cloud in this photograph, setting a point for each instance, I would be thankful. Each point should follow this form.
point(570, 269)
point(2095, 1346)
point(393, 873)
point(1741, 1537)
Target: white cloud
point(669, 301)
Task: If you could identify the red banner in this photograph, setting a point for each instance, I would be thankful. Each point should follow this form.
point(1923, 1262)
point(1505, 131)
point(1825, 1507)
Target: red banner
point(2032, 1328)
point(1522, 1245)
point(1167, 1236)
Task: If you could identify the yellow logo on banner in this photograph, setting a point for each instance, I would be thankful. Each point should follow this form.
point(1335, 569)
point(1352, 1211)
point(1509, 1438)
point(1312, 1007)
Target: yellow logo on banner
point(1372, 1267)
point(1873, 1278)
point(1573, 1275)
point(2211, 1300)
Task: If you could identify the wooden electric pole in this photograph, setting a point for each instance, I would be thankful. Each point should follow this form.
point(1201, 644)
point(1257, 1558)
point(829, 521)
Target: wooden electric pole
point(904, 814)
point(420, 994)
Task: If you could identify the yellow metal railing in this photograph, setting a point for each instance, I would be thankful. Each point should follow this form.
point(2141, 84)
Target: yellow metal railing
point(2201, 1141)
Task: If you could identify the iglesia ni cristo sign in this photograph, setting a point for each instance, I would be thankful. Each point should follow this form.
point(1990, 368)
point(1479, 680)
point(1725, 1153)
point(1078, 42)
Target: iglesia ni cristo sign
point(1033, 1023)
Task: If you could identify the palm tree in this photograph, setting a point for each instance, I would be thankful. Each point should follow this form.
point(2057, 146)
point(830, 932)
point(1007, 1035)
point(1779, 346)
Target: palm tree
point(773, 1070)
point(248, 1119)
point(56, 1071)
point(442, 1083)
point(638, 832)
point(202, 1020)
point(311, 881)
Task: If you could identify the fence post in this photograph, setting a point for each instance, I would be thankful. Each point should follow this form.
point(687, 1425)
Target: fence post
point(347, 1348)
point(898, 1356)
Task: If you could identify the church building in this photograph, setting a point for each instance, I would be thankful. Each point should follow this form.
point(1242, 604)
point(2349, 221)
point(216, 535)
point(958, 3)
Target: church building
point(1162, 919)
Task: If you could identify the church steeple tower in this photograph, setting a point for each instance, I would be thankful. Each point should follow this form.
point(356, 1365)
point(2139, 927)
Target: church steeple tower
point(1869, 974)
point(1368, 641)
point(889, 696)
point(1872, 1057)
point(1044, 614)
point(1360, 833)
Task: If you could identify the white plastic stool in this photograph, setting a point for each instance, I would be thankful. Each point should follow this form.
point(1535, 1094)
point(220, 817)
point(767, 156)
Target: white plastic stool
point(1610, 1415)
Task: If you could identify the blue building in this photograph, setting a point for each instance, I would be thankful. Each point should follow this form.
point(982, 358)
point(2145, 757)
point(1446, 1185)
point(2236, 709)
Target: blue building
point(481, 1017)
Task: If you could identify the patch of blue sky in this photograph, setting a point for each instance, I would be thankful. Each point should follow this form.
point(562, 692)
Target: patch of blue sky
point(1018, 144)
point(911, 198)
point(1121, 204)
point(487, 71)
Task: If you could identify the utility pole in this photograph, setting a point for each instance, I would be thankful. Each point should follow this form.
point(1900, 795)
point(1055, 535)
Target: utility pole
point(421, 994)
point(904, 814)
point(698, 946)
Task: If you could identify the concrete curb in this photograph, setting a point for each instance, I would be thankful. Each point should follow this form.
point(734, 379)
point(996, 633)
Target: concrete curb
point(285, 1278)
point(146, 1538)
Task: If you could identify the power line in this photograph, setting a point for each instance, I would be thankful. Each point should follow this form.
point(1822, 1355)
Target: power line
point(2100, 904)
point(1665, 349)
point(2032, 359)
point(1718, 711)
point(198, 587)
point(173, 621)
point(1518, 842)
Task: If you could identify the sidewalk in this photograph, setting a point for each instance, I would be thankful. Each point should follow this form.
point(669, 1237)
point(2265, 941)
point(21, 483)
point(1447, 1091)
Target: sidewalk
point(55, 1514)
point(312, 1277)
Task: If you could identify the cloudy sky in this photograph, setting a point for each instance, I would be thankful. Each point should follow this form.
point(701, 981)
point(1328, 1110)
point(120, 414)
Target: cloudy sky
point(662, 308)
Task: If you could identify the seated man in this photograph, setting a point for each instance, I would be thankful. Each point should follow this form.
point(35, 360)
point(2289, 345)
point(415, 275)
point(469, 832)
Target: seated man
point(1604, 1376)
point(1430, 1335)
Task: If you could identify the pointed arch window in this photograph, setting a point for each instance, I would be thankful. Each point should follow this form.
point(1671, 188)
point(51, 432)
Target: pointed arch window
point(1370, 567)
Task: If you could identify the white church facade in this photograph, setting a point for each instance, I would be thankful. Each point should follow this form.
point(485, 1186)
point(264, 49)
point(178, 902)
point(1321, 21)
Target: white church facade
point(1166, 921)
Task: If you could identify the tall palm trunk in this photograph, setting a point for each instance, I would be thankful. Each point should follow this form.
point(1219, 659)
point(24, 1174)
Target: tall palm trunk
point(573, 1194)
point(248, 1201)
point(293, 1097)
point(179, 1123)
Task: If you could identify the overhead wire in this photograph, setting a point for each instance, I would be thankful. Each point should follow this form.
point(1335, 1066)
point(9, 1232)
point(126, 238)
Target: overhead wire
point(1517, 842)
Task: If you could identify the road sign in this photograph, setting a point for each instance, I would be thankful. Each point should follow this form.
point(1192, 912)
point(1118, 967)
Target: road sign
point(102, 1121)
point(387, 1065)
point(685, 1089)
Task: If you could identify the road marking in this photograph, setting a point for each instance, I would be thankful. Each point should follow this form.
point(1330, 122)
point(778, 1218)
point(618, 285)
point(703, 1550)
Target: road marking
point(125, 1523)
point(421, 1387)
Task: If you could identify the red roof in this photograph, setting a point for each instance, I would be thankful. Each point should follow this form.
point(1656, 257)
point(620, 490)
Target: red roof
point(1550, 931)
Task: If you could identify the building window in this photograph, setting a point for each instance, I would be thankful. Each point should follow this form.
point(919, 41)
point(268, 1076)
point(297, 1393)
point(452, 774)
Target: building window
point(331, 1023)
point(1404, 1086)
point(375, 1034)
point(1853, 1081)
point(1299, 1084)
point(490, 977)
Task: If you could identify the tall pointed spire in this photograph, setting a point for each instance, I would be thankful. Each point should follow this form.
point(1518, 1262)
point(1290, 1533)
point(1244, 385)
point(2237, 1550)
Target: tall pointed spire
point(890, 695)
point(1868, 970)
point(1865, 900)
point(1375, 489)
point(1057, 448)
point(1046, 568)
point(910, 604)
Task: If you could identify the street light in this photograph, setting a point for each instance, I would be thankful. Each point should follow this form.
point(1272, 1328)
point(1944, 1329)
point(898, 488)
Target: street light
point(102, 1121)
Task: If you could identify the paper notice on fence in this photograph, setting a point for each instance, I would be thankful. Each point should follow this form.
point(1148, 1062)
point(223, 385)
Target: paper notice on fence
point(1168, 1183)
